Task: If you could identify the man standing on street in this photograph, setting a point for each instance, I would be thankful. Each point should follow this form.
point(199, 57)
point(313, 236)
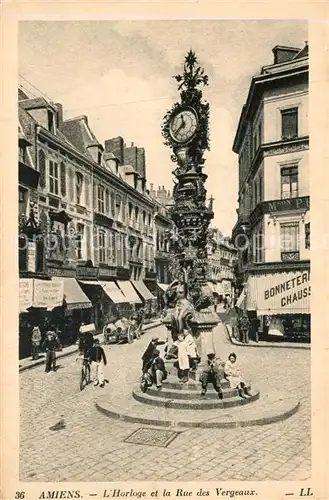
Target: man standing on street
point(244, 326)
point(97, 355)
point(50, 345)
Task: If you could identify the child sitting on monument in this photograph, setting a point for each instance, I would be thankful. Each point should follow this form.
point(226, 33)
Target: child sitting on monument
point(233, 375)
point(212, 372)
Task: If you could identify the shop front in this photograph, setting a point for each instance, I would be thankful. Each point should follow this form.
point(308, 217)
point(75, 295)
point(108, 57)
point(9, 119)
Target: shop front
point(37, 298)
point(281, 302)
point(148, 299)
point(76, 308)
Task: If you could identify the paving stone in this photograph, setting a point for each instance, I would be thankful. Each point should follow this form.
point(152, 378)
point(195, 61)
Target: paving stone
point(198, 453)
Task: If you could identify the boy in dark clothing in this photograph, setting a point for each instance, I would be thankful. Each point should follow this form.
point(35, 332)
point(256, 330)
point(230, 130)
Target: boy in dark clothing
point(97, 355)
point(212, 372)
point(50, 344)
point(149, 353)
point(86, 342)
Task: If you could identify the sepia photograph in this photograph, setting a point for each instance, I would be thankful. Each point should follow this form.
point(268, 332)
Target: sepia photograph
point(164, 329)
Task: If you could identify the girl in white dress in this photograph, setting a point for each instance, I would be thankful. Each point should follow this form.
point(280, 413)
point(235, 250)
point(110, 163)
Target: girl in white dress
point(233, 375)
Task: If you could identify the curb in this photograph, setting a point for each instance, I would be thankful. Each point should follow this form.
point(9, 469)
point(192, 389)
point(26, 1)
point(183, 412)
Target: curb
point(42, 361)
point(203, 424)
point(270, 344)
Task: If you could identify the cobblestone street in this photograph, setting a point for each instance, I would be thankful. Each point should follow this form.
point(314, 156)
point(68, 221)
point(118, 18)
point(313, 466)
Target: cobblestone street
point(91, 447)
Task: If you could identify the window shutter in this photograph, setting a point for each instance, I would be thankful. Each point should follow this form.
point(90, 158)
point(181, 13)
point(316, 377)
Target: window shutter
point(63, 178)
point(88, 242)
point(71, 184)
point(42, 168)
point(87, 184)
point(107, 201)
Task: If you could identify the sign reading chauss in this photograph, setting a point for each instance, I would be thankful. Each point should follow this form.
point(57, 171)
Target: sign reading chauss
point(280, 293)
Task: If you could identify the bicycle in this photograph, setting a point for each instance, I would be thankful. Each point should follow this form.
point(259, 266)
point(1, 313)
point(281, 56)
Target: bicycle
point(85, 372)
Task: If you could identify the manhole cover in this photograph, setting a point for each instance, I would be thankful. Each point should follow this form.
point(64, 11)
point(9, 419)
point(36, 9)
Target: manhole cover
point(152, 437)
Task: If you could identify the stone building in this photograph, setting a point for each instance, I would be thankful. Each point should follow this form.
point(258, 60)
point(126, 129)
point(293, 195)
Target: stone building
point(94, 213)
point(222, 257)
point(272, 141)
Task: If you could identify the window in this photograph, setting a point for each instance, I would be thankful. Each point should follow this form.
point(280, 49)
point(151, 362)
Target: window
point(22, 200)
point(79, 240)
point(289, 182)
point(22, 154)
point(258, 243)
point(101, 199)
point(290, 241)
point(53, 177)
point(289, 123)
point(118, 207)
point(78, 187)
point(107, 201)
point(307, 236)
point(101, 246)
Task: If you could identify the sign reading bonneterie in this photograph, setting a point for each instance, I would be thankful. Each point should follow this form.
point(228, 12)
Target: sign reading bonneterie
point(48, 293)
point(280, 293)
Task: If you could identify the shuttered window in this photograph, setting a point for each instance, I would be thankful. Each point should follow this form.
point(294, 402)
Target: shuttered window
point(53, 177)
point(63, 178)
point(290, 237)
point(289, 123)
point(42, 168)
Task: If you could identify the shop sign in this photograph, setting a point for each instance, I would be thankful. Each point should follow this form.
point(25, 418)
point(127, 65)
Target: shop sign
point(280, 293)
point(227, 288)
point(288, 204)
point(31, 256)
point(25, 294)
point(87, 272)
point(48, 293)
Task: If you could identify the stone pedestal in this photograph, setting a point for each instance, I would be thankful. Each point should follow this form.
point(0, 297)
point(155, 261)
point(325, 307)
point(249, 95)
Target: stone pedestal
point(203, 325)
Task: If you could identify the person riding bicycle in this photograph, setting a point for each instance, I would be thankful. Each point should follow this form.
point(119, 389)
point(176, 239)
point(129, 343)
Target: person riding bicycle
point(86, 342)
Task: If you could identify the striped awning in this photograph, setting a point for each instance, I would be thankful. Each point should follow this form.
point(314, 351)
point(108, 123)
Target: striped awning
point(113, 292)
point(129, 292)
point(74, 297)
point(163, 286)
point(143, 290)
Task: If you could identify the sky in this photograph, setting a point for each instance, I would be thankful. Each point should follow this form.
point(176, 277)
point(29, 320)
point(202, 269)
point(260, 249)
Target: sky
point(120, 74)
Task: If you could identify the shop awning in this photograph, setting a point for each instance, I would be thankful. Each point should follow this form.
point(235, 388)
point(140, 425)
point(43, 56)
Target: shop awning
point(143, 290)
point(129, 292)
point(74, 297)
point(163, 286)
point(240, 303)
point(91, 282)
point(113, 292)
point(219, 288)
point(279, 293)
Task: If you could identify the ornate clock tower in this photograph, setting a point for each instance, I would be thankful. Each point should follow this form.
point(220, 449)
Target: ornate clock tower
point(185, 130)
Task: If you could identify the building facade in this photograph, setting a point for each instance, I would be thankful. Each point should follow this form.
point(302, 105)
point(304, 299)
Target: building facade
point(93, 213)
point(222, 258)
point(273, 227)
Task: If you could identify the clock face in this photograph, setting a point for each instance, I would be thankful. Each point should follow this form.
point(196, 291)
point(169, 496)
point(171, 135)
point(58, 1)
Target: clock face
point(183, 125)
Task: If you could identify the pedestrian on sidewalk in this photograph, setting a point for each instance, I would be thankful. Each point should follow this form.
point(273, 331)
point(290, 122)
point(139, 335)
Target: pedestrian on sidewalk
point(50, 345)
point(97, 355)
point(244, 326)
point(36, 341)
point(233, 375)
point(212, 372)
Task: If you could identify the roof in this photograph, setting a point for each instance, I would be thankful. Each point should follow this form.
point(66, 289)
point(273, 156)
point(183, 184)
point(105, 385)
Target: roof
point(77, 131)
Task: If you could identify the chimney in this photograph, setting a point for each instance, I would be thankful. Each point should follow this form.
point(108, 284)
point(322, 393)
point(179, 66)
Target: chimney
point(115, 146)
point(283, 54)
point(59, 109)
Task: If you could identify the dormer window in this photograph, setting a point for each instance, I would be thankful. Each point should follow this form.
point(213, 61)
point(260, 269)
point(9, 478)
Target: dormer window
point(99, 158)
